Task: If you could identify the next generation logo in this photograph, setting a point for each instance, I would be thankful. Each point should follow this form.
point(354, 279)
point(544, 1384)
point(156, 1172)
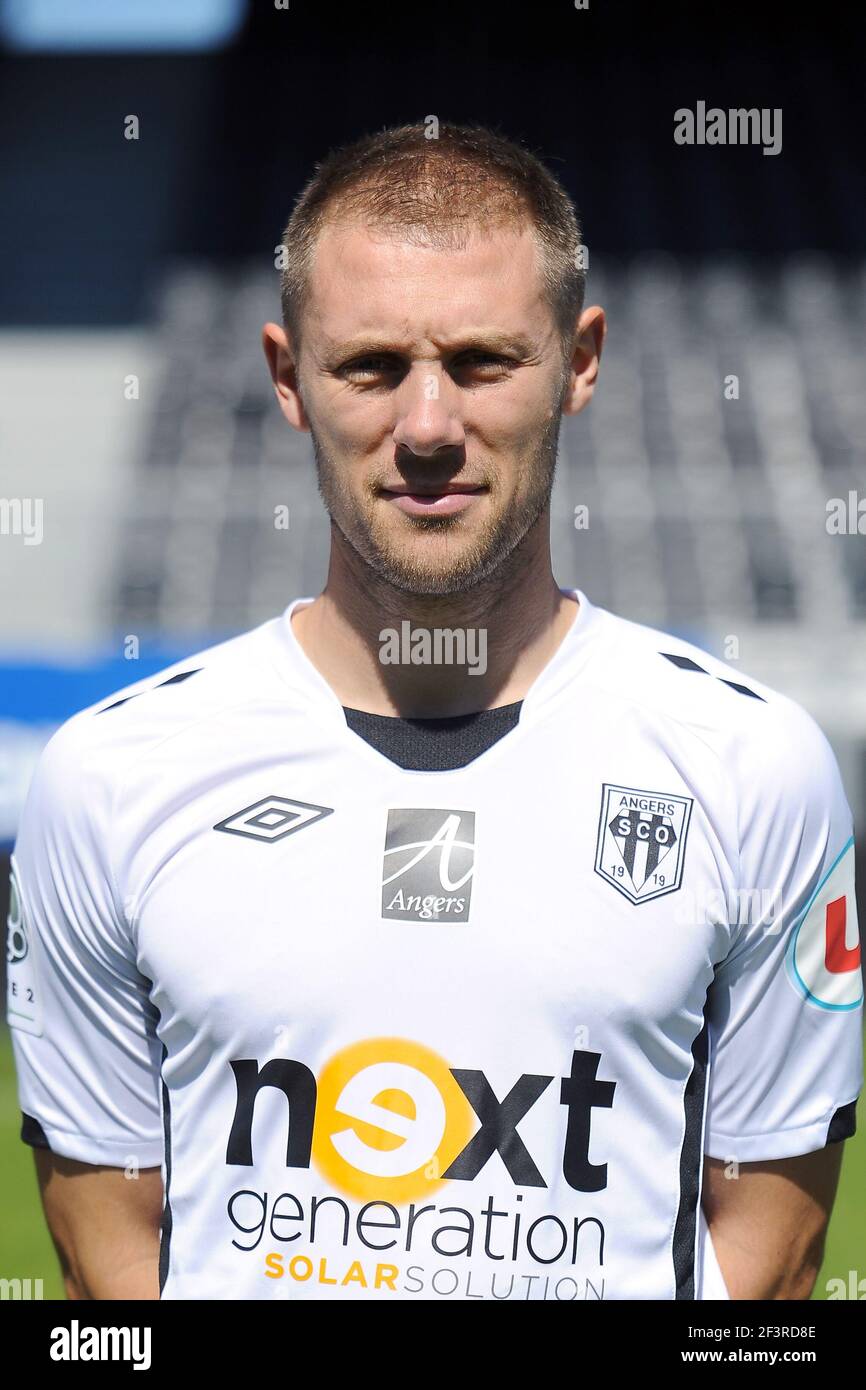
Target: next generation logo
point(387, 1122)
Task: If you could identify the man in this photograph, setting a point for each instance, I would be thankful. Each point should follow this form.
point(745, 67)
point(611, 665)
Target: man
point(447, 936)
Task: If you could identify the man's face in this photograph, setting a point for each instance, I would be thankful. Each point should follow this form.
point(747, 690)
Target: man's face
point(432, 382)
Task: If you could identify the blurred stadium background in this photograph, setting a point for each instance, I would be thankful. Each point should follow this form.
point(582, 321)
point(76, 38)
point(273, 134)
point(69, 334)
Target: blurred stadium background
point(135, 404)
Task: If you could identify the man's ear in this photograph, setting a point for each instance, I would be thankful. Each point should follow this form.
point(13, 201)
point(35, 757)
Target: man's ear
point(586, 356)
point(283, 367)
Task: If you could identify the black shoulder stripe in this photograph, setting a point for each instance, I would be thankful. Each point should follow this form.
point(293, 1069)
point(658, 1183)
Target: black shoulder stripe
point(685, 663)
point(32, 1132)
point(181, 676)
point(743, 689)
point(115, 705)
point(172, 680)
point(843, 1123)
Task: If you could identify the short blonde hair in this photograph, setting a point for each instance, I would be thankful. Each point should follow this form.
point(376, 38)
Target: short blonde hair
point(438, 190)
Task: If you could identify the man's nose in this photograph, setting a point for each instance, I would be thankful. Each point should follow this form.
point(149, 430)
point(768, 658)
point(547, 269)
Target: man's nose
point(428, 418)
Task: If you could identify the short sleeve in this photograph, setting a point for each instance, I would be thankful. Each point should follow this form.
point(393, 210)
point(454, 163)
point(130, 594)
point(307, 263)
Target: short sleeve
point(83, 1027)
point(785, 1009)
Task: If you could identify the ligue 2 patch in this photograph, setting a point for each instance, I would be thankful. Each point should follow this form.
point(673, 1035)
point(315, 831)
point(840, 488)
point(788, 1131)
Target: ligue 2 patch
point(23, 993)
point(642, 841)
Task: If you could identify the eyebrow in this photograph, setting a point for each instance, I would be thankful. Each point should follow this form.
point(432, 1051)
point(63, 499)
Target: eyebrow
point(488, 340)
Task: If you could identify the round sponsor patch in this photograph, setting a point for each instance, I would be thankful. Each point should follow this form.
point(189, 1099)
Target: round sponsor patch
point(824, 955)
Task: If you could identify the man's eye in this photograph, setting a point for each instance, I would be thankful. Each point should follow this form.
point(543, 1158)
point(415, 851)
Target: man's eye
point(370, 366)
point(482, 359)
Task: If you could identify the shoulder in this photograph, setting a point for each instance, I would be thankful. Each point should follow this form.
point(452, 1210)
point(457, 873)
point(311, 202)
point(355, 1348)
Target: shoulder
point(764, 739)
point(89, 753)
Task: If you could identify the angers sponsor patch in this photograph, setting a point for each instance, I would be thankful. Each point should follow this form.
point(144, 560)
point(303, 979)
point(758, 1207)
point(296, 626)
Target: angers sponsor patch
point(428, 865)
point(642, 841)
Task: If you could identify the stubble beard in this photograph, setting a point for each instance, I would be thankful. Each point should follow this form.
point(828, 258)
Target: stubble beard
point(468, 565)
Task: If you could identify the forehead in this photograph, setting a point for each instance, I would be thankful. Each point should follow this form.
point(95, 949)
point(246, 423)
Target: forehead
point(365, 279)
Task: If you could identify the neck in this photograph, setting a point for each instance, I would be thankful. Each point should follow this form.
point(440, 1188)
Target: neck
point(507, 630)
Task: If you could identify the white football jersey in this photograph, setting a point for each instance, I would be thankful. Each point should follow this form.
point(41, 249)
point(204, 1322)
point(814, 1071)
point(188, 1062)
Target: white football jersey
point(402, 1034)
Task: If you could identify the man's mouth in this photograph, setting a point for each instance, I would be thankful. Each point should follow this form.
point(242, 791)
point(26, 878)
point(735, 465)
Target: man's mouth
point(426, 499)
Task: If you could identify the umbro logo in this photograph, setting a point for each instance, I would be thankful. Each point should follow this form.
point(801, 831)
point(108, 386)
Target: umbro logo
point(273, 818)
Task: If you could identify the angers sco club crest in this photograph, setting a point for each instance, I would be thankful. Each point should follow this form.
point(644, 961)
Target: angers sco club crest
point(642, 841)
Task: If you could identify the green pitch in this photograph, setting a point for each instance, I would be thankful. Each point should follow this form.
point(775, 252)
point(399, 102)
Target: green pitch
point(26, 1250)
